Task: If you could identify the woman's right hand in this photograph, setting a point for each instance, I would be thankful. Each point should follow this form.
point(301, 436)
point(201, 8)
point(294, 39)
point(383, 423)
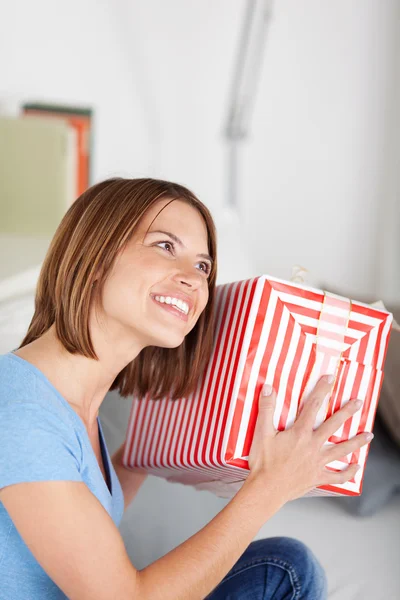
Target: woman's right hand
point(292, 462)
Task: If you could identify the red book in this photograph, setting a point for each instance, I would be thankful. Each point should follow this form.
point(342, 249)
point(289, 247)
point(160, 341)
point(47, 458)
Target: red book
point(79, 119)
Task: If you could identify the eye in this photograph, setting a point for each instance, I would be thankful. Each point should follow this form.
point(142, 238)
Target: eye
point(206, 267)
point(168, 244)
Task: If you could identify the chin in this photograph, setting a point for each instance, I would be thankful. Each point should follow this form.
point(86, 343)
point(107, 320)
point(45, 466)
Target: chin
point(170, 343)
point(167, 341)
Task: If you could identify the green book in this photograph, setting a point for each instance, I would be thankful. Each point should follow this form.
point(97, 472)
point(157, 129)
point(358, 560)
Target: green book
point(38, 174)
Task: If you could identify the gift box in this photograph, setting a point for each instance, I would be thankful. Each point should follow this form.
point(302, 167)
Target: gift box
point(278, 332)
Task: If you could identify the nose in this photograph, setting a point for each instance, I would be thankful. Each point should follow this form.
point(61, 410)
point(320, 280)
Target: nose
point(188, 276)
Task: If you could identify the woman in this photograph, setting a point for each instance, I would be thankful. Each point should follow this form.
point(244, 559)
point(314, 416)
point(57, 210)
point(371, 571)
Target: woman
point(98, 325)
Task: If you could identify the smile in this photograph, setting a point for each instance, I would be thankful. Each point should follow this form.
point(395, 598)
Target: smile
point(175, 306)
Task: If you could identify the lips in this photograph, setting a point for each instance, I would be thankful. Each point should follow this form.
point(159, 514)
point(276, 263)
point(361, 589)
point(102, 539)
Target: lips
point(171, 309)
point(178, 295)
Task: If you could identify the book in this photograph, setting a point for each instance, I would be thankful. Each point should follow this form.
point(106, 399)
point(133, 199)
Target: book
point(81, 120)
point(37, 174)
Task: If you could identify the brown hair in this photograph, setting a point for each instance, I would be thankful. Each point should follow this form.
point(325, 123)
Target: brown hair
point(92, 232)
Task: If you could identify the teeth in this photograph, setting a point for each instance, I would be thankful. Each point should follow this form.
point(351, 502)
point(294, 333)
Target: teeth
point(183, 306)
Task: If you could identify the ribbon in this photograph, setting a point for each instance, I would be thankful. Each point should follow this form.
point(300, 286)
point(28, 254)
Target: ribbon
point(332, 326)
point(298, 274)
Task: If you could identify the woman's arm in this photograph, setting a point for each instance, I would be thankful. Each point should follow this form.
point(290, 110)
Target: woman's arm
point(130, 480)
point(80, 548)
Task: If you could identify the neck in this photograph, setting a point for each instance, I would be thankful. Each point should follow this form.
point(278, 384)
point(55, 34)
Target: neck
point(82, 381)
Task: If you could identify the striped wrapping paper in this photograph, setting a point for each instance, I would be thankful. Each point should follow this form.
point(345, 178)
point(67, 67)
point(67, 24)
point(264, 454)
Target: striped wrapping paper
point(267, 330)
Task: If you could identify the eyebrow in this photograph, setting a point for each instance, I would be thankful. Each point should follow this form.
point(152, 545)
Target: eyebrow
point(178, 241)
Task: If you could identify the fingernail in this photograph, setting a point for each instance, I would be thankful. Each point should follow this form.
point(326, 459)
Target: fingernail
point(358, 403)
point(329, 378)
point(369, 437)
point(267, 390)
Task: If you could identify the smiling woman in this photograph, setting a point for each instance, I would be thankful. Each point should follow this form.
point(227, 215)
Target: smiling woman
point(125, 300)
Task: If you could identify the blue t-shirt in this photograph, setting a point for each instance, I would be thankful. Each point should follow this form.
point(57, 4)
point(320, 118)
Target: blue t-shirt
point(42, 438)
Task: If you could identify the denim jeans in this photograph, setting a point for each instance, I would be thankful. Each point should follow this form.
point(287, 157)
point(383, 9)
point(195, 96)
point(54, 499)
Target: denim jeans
point(278, 568)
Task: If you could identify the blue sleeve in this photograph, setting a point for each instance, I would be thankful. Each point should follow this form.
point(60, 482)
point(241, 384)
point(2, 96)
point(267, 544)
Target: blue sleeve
point(36, 445)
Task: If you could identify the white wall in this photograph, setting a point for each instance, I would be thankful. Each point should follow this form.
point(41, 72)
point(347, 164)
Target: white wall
point(158, 75)
point(316, 158)
point(388, 268)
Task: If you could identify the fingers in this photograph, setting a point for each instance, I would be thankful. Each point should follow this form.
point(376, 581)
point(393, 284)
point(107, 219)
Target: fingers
point(344, 448)
point(341, 476)
point(314, 402)
point(341, 450)
point(328, 427)
point(266, 408)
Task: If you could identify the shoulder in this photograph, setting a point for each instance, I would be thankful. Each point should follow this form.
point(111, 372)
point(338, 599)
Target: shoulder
point(24, 389)
point(40, 439)
point(13, 376)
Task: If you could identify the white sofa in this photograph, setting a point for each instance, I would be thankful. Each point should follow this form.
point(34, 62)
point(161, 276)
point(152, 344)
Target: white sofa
point(361, 555)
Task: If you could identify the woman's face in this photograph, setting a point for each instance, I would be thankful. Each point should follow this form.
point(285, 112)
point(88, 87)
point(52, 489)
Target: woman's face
point(158, 286)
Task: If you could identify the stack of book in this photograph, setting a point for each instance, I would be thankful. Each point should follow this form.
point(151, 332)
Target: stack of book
point(44, 167)
point(80, 120)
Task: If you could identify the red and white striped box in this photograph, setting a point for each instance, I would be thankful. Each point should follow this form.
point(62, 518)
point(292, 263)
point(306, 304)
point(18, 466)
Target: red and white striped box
point(267, 330)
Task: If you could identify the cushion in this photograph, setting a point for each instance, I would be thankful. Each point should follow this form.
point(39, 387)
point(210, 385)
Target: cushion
point(389, 401)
